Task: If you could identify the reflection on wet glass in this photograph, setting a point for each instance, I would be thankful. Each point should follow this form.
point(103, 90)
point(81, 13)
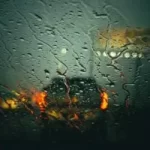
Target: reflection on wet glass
point(72, 67)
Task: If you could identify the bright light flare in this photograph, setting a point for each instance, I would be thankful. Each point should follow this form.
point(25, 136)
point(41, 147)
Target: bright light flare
point(104, 100)
point(39, 98)
point(9, 103)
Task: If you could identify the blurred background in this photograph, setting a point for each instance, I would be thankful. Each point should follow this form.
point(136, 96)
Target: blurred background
point(40, 37)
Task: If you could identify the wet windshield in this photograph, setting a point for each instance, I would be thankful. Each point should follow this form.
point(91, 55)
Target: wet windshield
point(70, 66)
